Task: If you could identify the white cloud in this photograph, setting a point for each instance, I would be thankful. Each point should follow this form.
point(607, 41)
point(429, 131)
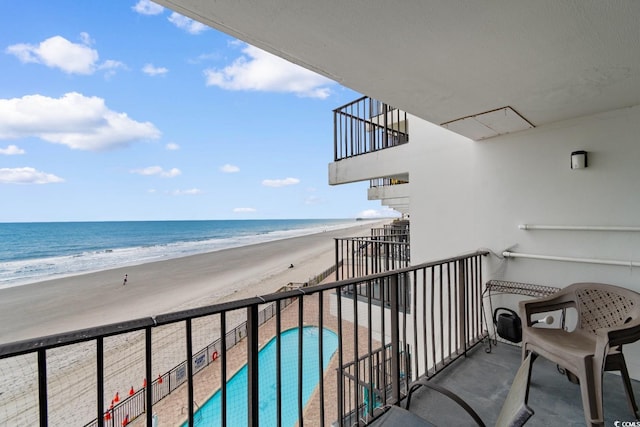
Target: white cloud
point(370, 213)
point(244, 210)
point(157, 170)
point(58, 52)
point(110, 66)
point(261, 71)
point(187, 24)
point(74, 120)
point(373, 213)
point(146, 7)
point(86, 39)
point(229, 168)
point(172, 146)
point(26, 175)
point(280, 182)
point(150, 70)
point(11, 150)
point(190, 192)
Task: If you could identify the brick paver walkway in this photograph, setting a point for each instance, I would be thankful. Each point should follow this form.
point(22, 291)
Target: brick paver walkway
point(172, 410)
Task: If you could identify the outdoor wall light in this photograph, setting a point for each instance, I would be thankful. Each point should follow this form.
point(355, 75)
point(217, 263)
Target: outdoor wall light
point(579, 159)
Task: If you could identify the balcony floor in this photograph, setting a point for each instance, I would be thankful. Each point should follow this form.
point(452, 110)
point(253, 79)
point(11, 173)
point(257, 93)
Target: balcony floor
point(483, 380)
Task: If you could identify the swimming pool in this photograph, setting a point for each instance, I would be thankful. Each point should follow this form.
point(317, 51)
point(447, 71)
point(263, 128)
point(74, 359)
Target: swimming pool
point(210, 412)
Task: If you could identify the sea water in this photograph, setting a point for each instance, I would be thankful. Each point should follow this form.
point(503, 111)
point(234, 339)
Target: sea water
point(32, 252)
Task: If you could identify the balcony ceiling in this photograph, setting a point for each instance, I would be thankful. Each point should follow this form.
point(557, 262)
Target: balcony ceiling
point(445, 60)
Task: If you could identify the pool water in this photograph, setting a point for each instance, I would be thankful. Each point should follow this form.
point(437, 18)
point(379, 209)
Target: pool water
point(210, 412)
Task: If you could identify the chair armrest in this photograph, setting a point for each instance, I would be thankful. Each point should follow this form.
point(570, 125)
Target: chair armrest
point(621, 334)
point(553, 302)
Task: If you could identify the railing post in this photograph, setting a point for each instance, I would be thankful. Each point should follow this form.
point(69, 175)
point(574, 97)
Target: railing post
point(42, 387)
point(148, 369)
point(385, 131)
point(252, 365)
point(223, 368)
point(100, 378)
point(190, 372)
point(395, 338)
point(335, 136)
point(340, 376)
point(337, 258)
point(462, 305)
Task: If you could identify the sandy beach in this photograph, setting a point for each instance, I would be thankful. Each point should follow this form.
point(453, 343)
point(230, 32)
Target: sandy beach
point(99, 298)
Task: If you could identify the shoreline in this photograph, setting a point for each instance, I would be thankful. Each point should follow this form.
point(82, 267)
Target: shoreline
point(156, 251)
point(92, 299)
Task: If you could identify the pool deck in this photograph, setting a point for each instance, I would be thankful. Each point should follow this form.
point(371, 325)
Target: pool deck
point(172, 410)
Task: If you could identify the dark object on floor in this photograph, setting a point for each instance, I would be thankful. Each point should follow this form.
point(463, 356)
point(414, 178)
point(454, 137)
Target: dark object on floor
point(508, 324)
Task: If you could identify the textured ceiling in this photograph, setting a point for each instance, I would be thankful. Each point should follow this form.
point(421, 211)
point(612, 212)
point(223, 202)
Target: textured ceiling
point(449, 59)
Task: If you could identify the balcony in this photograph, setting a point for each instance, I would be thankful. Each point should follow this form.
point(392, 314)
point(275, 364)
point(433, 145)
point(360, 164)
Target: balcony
point(386, 249)
point(116, 374)
point(367, 125)
point(392, 192)
point(368, 140)
point(428, 322)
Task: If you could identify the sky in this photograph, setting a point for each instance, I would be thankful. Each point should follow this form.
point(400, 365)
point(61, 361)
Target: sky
point(125, 110)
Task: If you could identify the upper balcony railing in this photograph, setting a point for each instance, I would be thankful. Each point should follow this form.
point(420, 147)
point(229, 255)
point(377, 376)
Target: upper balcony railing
point(387, 249)
point(365, 361)
point(398, 226)
point(367, 125)
point(386, 182)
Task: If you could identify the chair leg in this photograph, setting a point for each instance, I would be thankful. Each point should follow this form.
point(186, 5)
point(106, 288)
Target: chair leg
point(591, 391)
point(621, 365)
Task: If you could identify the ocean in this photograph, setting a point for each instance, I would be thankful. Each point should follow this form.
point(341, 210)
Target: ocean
point(33, 252)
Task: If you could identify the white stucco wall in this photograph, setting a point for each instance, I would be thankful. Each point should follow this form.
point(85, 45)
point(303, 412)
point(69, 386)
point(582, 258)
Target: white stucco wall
point(467, 195)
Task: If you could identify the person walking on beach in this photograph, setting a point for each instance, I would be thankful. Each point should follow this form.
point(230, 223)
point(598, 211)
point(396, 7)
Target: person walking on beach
point(124, 282)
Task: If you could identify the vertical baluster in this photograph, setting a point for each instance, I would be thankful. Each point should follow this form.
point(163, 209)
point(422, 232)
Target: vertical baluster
point(252, 365)
point(462, 305)
point(372, 397)
point(223, 367)
point(278, 364)
point(42, 387)
point(340, 359)
point(321, 350)
point(300, 357)
point(355, 350)
point(382, 285)
point(395, 340)
point(100, 378)
point(425, 347)
point(190, 372)
point(414, 313)
point(432, 286)
point(449, 311)
point(148, 395)
point(403, 346)
point(440, 297)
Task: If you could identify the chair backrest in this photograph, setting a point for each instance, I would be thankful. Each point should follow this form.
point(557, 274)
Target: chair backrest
point(605, 306)
point(515, 411)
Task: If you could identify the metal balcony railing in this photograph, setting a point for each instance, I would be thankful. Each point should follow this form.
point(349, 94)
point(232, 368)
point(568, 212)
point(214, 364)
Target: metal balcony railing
point(366, 125)
point(399, 226)
point(362, 256)
point(386, 182)
point(380, 349)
